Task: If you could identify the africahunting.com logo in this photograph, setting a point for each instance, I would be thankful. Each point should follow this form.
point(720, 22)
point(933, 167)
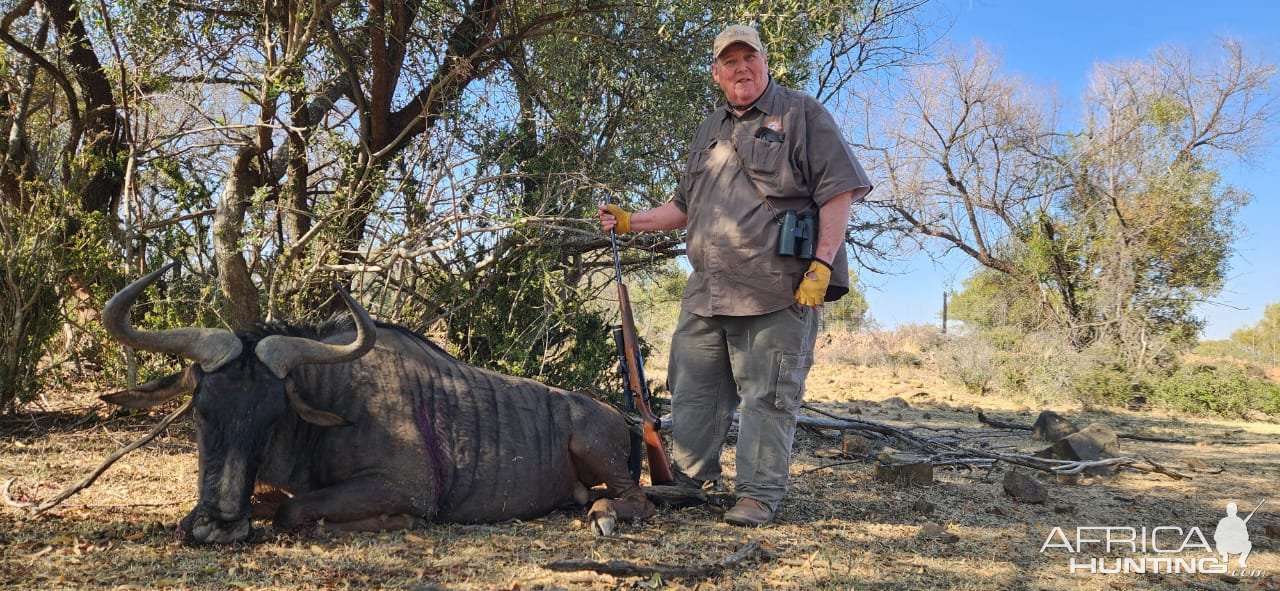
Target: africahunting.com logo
point(1164, 549)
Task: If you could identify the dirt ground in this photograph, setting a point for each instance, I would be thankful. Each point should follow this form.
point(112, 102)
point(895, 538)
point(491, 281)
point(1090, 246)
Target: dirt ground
point(840, 528)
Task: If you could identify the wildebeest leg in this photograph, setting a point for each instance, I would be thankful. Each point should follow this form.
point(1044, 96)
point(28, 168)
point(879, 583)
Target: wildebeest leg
point(599, 450)
point(369, 503)
point(266, 500)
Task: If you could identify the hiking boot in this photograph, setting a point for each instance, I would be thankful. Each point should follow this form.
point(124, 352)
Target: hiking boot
point(749, 512)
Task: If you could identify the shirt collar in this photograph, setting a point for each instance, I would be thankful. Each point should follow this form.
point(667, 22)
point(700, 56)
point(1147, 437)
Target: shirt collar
point(766, 103)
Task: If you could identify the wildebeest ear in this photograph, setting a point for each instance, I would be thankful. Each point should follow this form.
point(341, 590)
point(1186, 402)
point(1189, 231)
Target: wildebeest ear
point(309, 413)
point(157, 390)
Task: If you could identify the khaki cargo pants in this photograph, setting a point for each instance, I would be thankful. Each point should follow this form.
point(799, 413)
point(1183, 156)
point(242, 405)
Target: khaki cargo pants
point(758, 363)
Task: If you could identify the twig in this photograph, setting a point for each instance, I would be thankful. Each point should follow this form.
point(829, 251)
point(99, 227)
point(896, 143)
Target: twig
point(627, 568)
point(1160, 469)
point(113, 458)
point(985, 420)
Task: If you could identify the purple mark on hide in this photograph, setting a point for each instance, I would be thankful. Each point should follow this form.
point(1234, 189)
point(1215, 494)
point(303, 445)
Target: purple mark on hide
point(435, 455)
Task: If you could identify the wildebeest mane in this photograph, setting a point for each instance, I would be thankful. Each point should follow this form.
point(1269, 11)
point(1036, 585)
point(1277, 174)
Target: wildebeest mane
point(338, 323)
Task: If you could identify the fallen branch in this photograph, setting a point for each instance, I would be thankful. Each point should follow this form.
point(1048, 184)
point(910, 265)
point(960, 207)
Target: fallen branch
point(986, 420)
point(1162, 470)
point(939, 450)
point(625, 568)
point(1078, 467)
point(113, 458)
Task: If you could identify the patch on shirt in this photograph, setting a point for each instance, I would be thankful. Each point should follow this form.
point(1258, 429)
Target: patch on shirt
point(774, 124)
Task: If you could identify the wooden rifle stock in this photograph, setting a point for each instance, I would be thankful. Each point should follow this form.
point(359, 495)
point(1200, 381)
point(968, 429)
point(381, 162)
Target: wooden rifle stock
point(659, 464)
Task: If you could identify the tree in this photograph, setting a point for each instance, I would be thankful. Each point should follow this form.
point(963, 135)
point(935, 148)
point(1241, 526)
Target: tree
point(1261, 342)
point(425, 154)
point(1115, 230)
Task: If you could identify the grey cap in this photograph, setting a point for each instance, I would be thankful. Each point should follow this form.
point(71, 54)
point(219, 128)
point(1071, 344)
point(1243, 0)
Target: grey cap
point(736, 34)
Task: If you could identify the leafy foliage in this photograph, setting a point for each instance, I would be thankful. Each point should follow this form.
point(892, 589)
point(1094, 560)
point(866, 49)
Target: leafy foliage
point(31, 275)
point(1218, 389)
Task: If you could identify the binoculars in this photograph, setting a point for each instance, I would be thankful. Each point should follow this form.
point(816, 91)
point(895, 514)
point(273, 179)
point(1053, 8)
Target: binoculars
point(797, 234)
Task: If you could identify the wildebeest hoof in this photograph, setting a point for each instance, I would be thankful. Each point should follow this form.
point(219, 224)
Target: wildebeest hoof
point(604, 525)
point(202, 529)
point(603, 518)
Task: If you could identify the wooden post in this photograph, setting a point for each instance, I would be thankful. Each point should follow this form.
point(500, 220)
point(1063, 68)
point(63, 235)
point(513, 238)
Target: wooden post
point(944, 311)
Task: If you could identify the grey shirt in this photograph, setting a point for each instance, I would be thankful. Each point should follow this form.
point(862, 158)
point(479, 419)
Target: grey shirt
point(787, 148)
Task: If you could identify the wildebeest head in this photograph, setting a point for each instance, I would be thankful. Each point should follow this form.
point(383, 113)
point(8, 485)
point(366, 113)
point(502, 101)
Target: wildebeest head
point(239, 393)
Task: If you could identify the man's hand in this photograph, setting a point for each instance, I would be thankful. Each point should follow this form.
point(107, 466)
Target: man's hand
point(615, 218)
point(813, 288)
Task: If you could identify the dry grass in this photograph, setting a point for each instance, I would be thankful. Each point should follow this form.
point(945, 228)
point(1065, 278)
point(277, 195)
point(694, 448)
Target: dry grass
point(840, 529)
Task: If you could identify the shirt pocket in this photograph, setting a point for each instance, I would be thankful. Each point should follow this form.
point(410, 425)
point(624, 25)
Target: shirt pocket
point(699, 159)
point(770, 168)
point(763, 158)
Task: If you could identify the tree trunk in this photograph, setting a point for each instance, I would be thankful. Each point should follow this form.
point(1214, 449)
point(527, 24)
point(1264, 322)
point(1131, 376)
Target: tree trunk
point(242, 309)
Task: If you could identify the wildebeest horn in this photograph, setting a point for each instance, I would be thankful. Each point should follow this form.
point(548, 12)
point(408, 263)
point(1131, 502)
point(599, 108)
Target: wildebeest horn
point(210, 347)
point(281, 353)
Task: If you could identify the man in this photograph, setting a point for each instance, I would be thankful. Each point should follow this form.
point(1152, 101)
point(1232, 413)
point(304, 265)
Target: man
point(749, 316)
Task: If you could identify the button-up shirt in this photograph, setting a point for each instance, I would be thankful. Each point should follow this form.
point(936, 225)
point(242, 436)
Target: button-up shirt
point(785, 152)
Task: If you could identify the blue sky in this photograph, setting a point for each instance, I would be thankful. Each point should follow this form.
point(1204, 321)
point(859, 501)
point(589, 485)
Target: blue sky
point(1056, 44)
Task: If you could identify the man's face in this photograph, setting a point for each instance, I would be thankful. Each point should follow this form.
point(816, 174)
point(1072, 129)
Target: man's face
point(742, 73)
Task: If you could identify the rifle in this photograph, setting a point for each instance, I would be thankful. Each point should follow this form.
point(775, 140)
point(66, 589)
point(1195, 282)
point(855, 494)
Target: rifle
point(635, 388)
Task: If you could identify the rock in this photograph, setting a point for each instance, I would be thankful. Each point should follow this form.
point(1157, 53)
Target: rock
point(996, 510)
point(1024, 488)
point(1095, 442)
point(1050, 426)
point(1272, 530)
point(894, 402)
point(923, 507)
point(898, 467)
point(1257, 416)
point(933, 531)
point(1197, 464)
point(853, 444)
point(1064, 509)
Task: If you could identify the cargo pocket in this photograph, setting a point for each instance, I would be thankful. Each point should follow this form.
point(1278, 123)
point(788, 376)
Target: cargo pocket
point(792, 371)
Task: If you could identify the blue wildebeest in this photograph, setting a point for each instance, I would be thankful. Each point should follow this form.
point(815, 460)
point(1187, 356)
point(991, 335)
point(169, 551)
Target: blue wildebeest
point(372, 427)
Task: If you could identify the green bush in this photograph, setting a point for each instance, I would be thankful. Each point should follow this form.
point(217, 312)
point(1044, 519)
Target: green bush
point(970, 360)
point(1103, 384)
point(31, 275)
point(1223, 390)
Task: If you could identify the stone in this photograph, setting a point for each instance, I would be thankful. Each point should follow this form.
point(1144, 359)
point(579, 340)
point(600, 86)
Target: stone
point(1064, 509)
point(1197, 464)
point(1024, 488)
point(1272, 530)
point(1095, 442)
point(853, 444)
point(1051, 426)
point(896, 467)
point(933, 531)
point(894, 402)
point(924, 507)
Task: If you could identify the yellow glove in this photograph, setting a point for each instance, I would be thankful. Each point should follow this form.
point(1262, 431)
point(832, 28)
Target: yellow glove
point(813, 288)
point(623, 217)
